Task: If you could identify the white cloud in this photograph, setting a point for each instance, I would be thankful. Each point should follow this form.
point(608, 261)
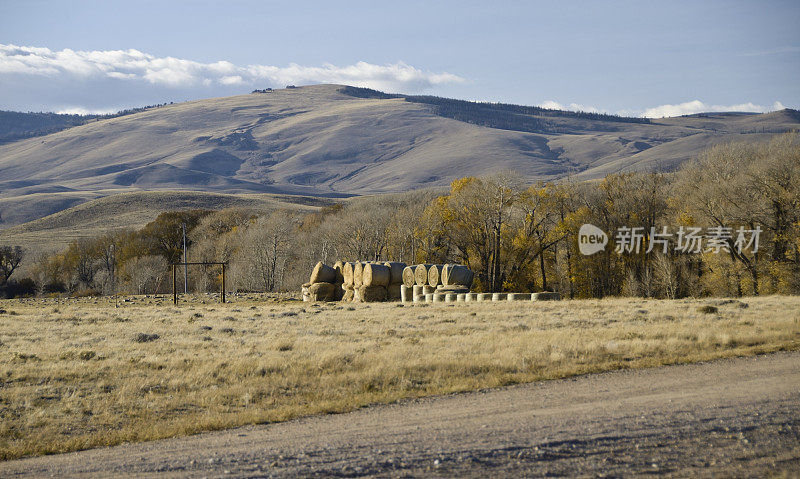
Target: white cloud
point(662, 111)
point(78, 110)
point(697, 106)
point(133, 65)
point(554, 105)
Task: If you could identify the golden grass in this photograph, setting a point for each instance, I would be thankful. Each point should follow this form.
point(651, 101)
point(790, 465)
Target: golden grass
point(74, 375)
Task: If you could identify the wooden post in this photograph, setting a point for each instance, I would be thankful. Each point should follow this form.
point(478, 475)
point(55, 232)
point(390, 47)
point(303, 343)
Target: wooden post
point(174, 285)
point(223, 282)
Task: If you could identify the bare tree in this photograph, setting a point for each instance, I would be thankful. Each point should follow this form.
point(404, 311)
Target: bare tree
point(266, 248)
point(10, 258)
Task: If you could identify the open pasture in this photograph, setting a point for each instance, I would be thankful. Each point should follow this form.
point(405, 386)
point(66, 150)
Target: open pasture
point(89, 372)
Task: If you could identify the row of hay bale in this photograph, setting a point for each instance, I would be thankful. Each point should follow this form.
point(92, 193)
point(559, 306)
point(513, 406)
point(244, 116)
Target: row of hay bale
point(441, 297)
point(374, 281)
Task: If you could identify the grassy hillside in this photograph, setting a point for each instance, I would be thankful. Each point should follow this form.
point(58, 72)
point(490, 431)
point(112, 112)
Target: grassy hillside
point(329, 140)
point(133, 210)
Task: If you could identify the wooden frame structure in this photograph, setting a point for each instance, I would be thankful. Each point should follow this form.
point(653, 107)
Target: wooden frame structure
point(200, 263)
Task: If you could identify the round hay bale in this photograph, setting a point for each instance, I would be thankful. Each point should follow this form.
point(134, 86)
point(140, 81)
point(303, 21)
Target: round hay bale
point(419, 298)
point(375, 274)
point(417, 290)
point(450, 298)
point(338, 266)
point(519, 296)
point(470, 297)
point(428, 289)
point(434, 273)
point(395, 271)
point(347, 296)
point(372, 294)
point(456, 274)
point(484, 297)
point(438, 297)
point(405, 293)
point(452, 289)
point(347, 273)
point(444, 271)
point(393, 292)
point(358, 274)
point(322, 292)
point(408, 276)
point(461, 297)
point(429, 298)
point(421, 274)
point(499, 296)
point(323, 273)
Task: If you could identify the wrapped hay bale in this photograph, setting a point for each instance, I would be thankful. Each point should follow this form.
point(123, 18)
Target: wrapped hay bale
point(457, 275)
point(498, 296)
point(483, 297)
point(470, 297)
point(405, 293)
point(461, 297)
point(546, 296)
point(438, 297)
point(434, 274)
point(421, 274)
point(450, 298)
point(395, 271)
point(323, 273)
point(519, 296)
point(372, 294)
point(339, 267)
point(428, 289)
point(408, 276)
point(417, 290)
point(375, 274)
point(322, 292)
point(347, 273)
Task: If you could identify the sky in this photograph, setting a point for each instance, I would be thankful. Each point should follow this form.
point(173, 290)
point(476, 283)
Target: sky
point(636, 58)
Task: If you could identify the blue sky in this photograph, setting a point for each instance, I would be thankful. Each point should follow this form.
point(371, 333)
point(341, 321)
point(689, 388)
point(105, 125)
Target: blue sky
point(629, 57)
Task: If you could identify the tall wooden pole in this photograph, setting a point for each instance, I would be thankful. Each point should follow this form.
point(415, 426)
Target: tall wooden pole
point(223, 282)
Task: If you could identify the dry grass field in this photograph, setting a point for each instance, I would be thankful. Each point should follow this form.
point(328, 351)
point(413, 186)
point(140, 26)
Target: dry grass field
point(82, 373)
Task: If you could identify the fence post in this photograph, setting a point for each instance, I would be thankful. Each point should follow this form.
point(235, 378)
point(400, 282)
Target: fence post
point(174, 285)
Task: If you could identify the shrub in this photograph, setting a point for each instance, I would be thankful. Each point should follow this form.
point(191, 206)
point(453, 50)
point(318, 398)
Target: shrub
point(145, 338)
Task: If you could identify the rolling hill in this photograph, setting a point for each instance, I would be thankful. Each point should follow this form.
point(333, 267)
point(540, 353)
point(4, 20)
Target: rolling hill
point(335, 141)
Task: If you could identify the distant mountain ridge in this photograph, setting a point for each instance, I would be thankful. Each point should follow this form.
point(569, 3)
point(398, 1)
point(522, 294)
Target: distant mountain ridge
point(338, 141)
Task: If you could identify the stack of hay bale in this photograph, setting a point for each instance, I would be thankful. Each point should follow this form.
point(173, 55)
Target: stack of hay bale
point(325, 283)
point(371, 281)
point(358, 281)
point(437, 282)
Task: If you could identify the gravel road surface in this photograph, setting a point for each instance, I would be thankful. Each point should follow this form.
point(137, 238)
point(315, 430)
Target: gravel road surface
point(734, 417)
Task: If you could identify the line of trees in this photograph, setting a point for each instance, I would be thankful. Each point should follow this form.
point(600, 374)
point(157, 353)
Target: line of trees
point(515, 236)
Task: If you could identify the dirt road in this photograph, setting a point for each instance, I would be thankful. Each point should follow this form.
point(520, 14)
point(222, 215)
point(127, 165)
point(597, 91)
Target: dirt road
point(738, 417)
